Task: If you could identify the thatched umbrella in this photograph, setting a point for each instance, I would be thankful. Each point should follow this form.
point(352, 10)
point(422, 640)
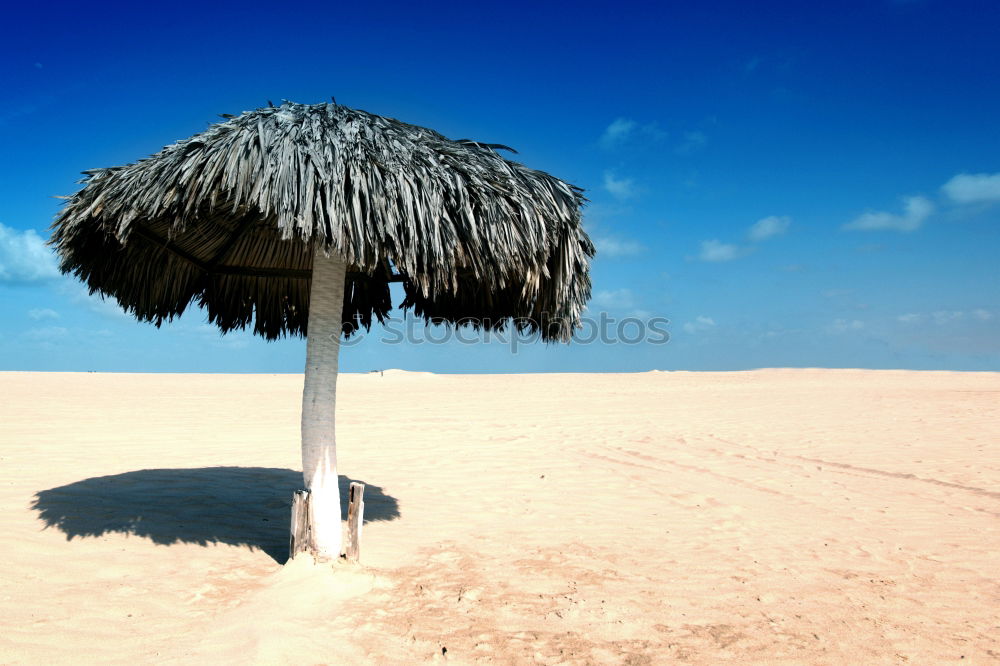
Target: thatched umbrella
point(293, 220)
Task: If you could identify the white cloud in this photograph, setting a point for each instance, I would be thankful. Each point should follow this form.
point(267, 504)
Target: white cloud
point(973, 188)
point(942, 317)
point(612, 298)
point(714, 250)
point(621, 188)
point(623, 131)
point(846, 325)
point(24, 257)
point(946, 316)
point(699, 325)
point(769, 227)
point(46, 334)
point(616, 247)
point(982, 315)
point(916, 210)
point(79, 294)
point(691, 143)
point(42, 313)
point(617, 132)
point(106, 307)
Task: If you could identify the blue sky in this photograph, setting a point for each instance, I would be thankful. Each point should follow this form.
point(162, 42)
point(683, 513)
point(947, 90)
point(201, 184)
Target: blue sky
point(790, 184)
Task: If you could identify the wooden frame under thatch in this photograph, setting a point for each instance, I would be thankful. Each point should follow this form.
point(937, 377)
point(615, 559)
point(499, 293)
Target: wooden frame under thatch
point(470, 235)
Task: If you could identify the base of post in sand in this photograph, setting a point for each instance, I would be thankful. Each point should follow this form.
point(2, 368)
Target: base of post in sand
point(300, 530)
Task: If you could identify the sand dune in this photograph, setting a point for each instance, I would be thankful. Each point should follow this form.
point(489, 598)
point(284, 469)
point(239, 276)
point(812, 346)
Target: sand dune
point(775, 516)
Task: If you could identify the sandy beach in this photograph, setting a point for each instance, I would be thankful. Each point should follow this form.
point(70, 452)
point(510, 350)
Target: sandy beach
point(773, 516)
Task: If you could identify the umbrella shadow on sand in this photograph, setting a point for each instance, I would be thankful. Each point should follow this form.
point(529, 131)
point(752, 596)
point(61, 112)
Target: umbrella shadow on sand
point(239, 506)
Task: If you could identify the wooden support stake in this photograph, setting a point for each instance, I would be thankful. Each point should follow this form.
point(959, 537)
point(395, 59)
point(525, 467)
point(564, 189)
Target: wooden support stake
point(355, 519)
point(299, 538)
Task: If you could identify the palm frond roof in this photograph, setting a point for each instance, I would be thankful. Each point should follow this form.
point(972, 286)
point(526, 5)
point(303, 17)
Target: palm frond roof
point(228, 218)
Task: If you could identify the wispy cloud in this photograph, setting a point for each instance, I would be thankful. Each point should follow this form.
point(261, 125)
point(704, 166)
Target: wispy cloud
point(613, 298)
point(717, 251)
point(769, 227)
point(617, 132)
point(640, 314)
point(973, 330)
point(969, 188)
point(622, 131)
point(620, 188)
point(609, 246)
point(598, 214)
point(945, 317)
point(39, 314)
point(24, 258)
point(46, 333)
point(78, 294)
point(691, 142)
point(916, 210)
point(700, 324)
point(608, 243)
point(846, 325)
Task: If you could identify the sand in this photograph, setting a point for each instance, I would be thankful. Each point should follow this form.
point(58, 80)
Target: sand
point(774, 516)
